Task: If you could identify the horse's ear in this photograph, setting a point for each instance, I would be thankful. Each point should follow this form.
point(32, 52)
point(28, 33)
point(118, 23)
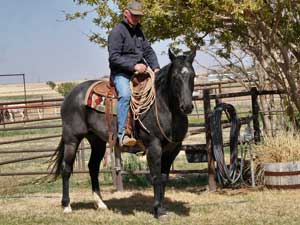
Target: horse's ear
point(192, 55)
point(171, 55)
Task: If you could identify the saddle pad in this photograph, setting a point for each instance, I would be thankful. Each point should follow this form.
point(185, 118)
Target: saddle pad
point(97, 101)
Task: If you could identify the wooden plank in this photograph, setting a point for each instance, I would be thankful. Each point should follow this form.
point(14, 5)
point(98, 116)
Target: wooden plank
point(255, 114)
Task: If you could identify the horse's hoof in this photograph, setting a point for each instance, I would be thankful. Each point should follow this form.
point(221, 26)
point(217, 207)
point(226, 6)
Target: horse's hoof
point(67, 209)
point(100, 205)
point(161, 214)
point(163, 217)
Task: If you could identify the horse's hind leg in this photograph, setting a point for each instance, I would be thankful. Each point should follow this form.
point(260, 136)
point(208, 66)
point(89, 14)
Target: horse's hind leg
point(98, 150)
point(67, 168)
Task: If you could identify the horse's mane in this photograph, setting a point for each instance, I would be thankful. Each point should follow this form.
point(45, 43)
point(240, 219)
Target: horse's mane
point(161, 79)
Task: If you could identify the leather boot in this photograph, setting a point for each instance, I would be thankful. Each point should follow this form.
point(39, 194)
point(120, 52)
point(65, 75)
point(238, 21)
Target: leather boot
point(128, 140)
point(128, 126)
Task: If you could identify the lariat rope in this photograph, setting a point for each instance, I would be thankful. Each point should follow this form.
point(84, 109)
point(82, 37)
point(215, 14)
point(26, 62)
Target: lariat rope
point(143, 97)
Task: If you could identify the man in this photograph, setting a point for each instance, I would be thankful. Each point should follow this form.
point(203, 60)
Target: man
point(129, 52)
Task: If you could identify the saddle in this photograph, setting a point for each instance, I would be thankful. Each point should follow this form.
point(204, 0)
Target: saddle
point(102, 96)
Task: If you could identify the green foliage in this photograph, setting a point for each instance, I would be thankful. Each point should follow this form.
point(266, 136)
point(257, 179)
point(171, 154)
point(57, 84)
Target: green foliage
point(132, 163)
point(168, 19)
point(65, 88)
point(187, 21)
point(268, 31)
point(51, 84)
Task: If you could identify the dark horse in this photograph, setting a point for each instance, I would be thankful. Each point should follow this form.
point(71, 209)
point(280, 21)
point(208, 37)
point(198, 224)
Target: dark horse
point(4, 115)
point(168, 126)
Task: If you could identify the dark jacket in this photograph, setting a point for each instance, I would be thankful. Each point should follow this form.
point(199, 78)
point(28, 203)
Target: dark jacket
point(128, 46)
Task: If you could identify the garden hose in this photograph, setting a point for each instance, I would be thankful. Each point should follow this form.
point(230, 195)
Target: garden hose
point(227, 174)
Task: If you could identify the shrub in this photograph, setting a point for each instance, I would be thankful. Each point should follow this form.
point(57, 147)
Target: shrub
point(284, 147)
point(132, 163)
point(51, 84)
point(65, 88)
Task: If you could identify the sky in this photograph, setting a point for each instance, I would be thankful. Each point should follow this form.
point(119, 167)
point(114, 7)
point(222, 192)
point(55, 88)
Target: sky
point(35, 40)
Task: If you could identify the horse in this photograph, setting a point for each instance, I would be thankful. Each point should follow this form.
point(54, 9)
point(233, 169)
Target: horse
point(2, 116)
point(12, 111)
point(5, 115)
point(166, 122)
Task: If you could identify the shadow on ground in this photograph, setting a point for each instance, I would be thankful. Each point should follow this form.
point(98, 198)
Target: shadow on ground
point(136, 203)
point(194, 183)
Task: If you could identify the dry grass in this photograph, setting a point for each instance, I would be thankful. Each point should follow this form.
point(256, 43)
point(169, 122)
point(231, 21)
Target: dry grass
point(23, 200)
point(33, 90)
point(284, 147)
point(187, 205)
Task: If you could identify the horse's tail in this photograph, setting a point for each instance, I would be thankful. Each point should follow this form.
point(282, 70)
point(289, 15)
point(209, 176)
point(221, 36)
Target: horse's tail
point(57, 159)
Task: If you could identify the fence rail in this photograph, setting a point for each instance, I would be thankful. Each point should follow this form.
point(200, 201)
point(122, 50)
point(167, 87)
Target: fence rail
point(195, 128)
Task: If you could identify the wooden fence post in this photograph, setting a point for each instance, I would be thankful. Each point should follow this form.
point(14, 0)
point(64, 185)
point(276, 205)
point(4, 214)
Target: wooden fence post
point(211, 166)
point(113, 170)
point(255, 114)
point(82, 155)
point(118, 168)
point(77, 161)
point(219, 100)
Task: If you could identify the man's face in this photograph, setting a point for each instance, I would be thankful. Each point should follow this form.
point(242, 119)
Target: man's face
point(132, 19)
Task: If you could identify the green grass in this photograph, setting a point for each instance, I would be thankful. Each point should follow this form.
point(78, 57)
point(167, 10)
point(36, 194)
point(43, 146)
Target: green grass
point(195, 119)
point(30, 132)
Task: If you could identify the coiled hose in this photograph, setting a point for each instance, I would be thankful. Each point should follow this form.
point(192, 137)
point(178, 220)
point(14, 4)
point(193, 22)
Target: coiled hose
point(227, 174)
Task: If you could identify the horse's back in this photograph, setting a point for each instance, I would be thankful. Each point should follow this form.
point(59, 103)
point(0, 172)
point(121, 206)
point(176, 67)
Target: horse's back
point(73, 110)
point(74, 101)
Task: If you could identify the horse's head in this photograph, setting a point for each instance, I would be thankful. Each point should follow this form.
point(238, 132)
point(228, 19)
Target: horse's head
point(182, 80)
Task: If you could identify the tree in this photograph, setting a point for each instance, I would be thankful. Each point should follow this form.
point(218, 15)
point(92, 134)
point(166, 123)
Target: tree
point(268, 30)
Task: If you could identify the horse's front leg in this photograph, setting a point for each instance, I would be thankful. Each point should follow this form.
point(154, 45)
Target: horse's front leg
point(167, 160)
point(154, 154)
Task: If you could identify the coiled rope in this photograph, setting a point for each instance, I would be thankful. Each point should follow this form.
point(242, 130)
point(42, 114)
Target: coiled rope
point(142, 95)
point(226, 174)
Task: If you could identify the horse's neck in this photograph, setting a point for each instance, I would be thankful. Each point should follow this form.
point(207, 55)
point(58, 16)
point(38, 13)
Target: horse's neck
point(174, 121)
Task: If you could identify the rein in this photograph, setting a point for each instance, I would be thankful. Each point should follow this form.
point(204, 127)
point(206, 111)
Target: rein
point(143, 98)
point(159, 126)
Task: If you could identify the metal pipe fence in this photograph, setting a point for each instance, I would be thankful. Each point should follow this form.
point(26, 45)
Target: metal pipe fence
point(195, 128)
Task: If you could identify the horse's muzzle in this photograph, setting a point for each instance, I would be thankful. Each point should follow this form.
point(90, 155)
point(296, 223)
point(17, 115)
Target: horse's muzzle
point(186, 109)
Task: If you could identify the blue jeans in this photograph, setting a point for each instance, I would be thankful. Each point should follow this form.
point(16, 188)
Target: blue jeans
point(122, 85)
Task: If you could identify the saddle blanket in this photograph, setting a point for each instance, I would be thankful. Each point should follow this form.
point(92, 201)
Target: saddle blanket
point(96, 100)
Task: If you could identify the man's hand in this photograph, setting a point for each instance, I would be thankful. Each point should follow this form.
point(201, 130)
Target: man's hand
point(140, 68)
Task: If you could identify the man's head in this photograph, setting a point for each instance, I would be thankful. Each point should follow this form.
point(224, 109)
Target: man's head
point(133, 12)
